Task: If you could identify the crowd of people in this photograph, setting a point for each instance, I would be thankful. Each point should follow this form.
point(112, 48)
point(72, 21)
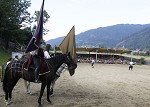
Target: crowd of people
point(103, 60)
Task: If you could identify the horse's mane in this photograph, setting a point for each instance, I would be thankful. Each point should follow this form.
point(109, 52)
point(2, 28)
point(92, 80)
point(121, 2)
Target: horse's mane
point(57, 58)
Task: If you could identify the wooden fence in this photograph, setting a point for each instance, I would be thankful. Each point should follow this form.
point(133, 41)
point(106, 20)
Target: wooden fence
point(1, 72)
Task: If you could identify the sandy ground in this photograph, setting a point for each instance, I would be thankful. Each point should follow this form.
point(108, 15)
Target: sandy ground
point(101, 86)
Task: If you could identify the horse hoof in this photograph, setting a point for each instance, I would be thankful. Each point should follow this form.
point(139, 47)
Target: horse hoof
point(29, 92)
point(7, 102)
point(50, 102)
point(40, 105)
point(51, 95)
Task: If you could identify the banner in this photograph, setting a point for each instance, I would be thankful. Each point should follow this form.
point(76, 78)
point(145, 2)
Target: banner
point(38, 35)
point(69, 44)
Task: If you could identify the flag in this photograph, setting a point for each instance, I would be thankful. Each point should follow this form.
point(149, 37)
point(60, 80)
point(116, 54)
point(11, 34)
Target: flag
point(38, 34)
point(69, 44)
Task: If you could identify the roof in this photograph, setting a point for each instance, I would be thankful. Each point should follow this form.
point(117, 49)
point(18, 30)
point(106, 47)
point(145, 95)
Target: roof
point(103, 50)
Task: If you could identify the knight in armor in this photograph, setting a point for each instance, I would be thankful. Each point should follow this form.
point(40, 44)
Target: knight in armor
point(47, 55)
point(37, 54)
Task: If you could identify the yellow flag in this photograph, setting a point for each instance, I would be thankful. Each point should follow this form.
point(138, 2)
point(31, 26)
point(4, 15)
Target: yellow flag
point(69, 44)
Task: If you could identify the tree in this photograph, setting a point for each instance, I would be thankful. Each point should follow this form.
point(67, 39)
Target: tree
point(34, 18)
point(13, 16)
point(15, 21)
point(48, 47)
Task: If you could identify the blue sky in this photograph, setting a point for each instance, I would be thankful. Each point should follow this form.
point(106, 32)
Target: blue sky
point(90, 14)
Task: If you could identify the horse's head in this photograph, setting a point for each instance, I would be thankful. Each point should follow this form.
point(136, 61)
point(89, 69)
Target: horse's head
point(71, 64)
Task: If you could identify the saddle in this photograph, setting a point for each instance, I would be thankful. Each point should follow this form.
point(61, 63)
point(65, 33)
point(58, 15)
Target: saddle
point(28, 62)
point(43, 67)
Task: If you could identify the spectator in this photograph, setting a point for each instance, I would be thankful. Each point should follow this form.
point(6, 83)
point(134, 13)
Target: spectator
point(93, 61)
point(131, 65)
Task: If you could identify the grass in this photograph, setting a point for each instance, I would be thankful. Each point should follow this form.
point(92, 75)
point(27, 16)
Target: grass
point(4, 56)
point(137, 56)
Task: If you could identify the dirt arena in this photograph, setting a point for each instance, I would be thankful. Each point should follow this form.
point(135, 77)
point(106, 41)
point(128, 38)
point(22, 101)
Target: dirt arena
point(101, 86)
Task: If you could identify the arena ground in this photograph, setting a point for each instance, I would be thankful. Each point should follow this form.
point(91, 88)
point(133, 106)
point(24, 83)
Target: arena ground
point(105, 85)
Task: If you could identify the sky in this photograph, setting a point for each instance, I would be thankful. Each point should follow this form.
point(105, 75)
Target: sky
point(90, 14)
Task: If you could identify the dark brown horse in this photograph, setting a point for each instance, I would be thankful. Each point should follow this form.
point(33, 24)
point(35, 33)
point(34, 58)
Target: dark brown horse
point(14, 73)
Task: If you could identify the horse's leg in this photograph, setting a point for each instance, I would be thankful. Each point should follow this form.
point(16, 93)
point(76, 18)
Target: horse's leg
point(6, 98)
point(51, 89)
point(43, 85)
point(52, 85)
point(10, 89)
point(27, 85)
point(48, 91)
point(10, 96)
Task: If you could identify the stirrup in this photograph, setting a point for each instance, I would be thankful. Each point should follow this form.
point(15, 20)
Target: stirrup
point(25, 69)
point(37, 81)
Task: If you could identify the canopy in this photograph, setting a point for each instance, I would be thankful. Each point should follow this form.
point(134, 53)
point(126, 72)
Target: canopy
point(103, 50)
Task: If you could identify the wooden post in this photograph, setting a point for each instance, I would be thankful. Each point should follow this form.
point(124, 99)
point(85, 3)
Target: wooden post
point(2, 73)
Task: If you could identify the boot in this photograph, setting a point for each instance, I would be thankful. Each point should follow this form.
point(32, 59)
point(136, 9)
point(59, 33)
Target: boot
point(36, 77)
point(37, 80)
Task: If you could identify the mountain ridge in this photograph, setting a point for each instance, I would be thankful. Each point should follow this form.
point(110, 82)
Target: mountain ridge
point(109, 36)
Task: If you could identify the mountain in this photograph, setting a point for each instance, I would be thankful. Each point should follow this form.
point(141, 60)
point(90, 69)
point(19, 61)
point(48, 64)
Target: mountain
point(138, 40)
point(55, 42)
point(103, 36)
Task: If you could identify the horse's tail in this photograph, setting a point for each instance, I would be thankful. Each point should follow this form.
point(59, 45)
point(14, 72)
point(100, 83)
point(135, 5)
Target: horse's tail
point(5, 79)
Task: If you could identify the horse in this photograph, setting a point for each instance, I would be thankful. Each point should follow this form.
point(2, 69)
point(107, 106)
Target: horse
point(14, 73)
